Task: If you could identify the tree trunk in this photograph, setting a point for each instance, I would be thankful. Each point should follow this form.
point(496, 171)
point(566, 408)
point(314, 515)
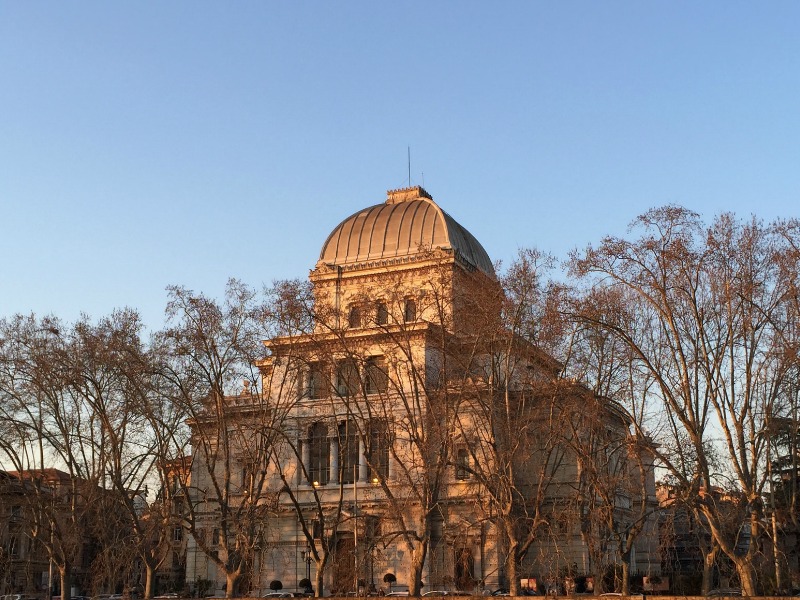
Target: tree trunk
point(319, 578)
point(417, 563)
point(511, 569)
point(231, 577)
point(148, 580)
point(709, 558)
point(626, 573)
point(64, 574)
point(747, 576)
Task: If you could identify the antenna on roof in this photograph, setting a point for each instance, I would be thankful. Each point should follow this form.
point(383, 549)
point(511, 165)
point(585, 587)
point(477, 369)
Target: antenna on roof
point(409, 166)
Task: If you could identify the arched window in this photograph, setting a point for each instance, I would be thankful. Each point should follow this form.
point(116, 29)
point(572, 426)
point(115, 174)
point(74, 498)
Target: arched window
point(319, 454)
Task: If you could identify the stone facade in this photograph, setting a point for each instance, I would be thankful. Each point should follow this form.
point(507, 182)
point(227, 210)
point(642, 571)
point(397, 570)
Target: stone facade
point(380, 446)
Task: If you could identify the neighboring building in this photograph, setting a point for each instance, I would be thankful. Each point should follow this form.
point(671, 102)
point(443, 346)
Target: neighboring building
point(23, 562)
point(686, 540)
point(49, 506)
point(177, 477)
point(401, 292)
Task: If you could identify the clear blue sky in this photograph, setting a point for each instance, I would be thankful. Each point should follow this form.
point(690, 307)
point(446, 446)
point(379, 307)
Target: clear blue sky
point(144, 144)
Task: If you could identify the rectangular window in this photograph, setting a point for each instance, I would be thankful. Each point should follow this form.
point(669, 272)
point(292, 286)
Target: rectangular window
point(316, 381)
point(378, 449)
point(377, 380)
point(177, 534)
point(319, 454)
point(348, 451)
point(215, 537)
point(381, 313)
point(462, 464)
point(410, 311)
point(354, 320)
point(347, 380)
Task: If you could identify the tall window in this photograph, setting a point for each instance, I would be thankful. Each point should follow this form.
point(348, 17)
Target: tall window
point(316, 381)
point(348, 451)
point(410, 310)
point(377, 380)
point(354, 320)
point(381, 313)
point(377, 450)
point(319, 454)
point(462, 463)
point(347, 380)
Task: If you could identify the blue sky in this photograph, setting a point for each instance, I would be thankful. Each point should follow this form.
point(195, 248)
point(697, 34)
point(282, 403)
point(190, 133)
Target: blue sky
point(147, 144)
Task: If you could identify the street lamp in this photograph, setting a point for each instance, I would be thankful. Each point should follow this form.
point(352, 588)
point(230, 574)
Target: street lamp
point(305, 555)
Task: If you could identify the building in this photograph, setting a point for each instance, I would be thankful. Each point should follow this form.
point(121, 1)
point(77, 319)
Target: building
point(23, 562)
point(381, 451)
point(49, 508)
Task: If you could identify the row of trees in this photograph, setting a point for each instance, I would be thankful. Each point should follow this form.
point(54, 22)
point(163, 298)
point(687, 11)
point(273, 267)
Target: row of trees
point(688, 330)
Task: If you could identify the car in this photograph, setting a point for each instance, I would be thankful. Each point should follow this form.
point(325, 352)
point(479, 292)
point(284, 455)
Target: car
point(398, 593)
point(723, 592)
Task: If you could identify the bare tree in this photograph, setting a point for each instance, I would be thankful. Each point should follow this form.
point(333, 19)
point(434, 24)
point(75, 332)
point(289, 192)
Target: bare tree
point(211, 349)
point(47, 424)
point(710, 309)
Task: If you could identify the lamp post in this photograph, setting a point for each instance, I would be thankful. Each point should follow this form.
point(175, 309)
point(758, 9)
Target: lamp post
point(305, 555)
point(355, 525)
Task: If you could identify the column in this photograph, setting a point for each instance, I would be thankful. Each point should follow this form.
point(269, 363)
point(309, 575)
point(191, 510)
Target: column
point(334, 460)
point(306, 453)
point(363, 467)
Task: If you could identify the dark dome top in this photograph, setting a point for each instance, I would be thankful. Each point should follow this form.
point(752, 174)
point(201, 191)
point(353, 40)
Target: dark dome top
point(408, 221)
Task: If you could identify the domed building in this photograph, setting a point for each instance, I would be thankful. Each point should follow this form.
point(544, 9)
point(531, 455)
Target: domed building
point(381, 443)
